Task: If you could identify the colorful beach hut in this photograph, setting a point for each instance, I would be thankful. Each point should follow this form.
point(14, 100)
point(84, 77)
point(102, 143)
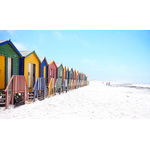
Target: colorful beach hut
point(29, 67)
point(71, 77)
point(59, 81)
point(80, 79)
point(83, 79)
point(74, 80)
point(77, 78)
point(65, 83)
point(64, 73)
point(52, 76)
point(44, 69)
point(67, 77)
point(9, 62)
point(77, 75)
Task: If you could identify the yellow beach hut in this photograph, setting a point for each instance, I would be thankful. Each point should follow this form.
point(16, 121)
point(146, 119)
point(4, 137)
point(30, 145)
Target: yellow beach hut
point(29, 67)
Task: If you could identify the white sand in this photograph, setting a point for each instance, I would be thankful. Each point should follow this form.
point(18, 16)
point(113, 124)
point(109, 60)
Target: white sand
point(94, 101)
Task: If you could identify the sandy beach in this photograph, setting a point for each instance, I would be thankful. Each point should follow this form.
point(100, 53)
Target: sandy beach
point(95, 101)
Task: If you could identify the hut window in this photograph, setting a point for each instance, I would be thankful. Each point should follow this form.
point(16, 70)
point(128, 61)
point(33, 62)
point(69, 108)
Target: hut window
point(60, 73)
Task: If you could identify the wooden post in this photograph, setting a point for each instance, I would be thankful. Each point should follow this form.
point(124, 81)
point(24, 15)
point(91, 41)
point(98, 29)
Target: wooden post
point(6, 100)
point(12, 98)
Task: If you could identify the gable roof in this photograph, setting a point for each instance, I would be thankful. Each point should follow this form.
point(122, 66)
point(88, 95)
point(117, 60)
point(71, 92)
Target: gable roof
point(64, 67)
point(28, 53)
point(25, 53)
point(67, 68)
point(70, 69)
point(2, 42)
point(50, 62)
point(58, 65)
point(42, 59)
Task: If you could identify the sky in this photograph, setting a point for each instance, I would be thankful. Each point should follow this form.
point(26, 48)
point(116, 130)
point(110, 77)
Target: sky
point(106, 55)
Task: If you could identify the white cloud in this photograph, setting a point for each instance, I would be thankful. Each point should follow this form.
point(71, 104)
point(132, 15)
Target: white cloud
point(58, 34)
point(20, 46)
point(11, 32)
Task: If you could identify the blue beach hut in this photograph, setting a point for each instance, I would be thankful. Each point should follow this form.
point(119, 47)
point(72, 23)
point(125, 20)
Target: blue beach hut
point(44, 68)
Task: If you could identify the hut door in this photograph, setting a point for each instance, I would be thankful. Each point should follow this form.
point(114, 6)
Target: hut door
point(33, 74)
point(44, 72)
point(10, 68)
point(2, 72)
point(29, 76)
point(60, 73)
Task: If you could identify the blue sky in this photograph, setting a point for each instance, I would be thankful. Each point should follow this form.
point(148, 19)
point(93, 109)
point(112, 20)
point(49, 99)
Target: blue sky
point(118, 55)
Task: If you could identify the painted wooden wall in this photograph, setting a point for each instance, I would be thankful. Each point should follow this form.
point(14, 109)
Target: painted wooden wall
point(2, 72)
point(33, 60)
point(67, 73)
point(74, 76)
point(64, 74)
point(7, 51)
point(77, 75)
point(44, 65)
point(52, 71)
point(80, 76)
point(71, 74)
point(60, 72)
point(85, 78)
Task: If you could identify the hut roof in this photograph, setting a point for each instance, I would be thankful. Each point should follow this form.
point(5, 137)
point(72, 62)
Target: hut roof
point(42, 58)
point(70, 69)
point(25, 53)
point(49, 61)
point(28, 53)
point(64, 66)
point(2, 42)
point(58, 65)
point(52, 61)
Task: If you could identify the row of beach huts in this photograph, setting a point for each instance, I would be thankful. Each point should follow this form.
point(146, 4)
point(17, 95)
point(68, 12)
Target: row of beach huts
point(25, 77)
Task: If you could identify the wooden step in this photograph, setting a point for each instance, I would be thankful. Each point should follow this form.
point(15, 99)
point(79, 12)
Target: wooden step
point(2, 99)
point(2, 103)
point(40, 90)
point(30, 100)
point(31, 96)
point(41, 95)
